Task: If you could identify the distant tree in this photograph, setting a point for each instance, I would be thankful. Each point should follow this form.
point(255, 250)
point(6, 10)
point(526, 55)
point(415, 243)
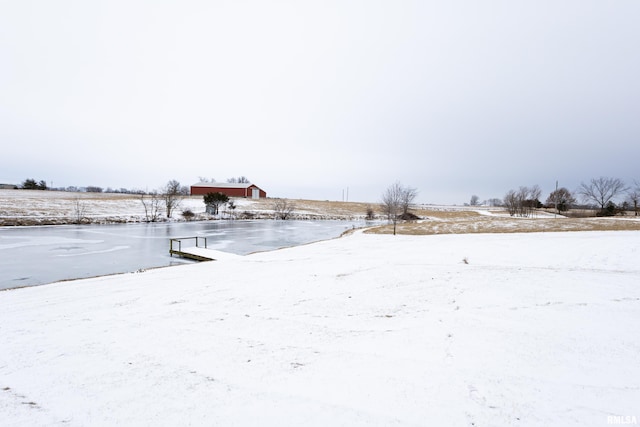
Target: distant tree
point(172, 194)
point(530, 200)
point(523, 202)
point(283, 208)
point(494, 202)
point(601, 191)
point(239, 180)
point(407, 196)
point(634, 196)
point(94, 189)
point(611, 210)
point(31, 184)
point(534, 196)
point(511, 202)
point(561, 199)
point(474, 200)
point(522, 195)
point(205, 179)
point(370, 213)
point(232, 207)
point(213, 201)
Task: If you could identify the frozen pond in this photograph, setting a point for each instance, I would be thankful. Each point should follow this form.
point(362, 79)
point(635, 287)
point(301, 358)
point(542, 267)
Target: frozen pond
point(37, 255)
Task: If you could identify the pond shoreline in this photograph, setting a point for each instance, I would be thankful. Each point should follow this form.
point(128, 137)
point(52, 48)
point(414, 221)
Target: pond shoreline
point(46, 254)
point(50, 221)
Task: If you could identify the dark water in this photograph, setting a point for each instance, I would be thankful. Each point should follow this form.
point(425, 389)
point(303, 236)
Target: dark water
point(37, 255)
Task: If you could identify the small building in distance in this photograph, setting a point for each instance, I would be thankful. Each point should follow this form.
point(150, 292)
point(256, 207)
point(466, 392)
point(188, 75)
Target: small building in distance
point(245, 189)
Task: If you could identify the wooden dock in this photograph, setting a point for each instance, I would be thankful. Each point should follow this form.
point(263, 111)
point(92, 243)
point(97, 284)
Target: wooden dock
point(199, 252)
point(176, 248)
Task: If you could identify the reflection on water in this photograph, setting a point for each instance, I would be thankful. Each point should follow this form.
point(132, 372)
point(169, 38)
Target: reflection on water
point(36, 255)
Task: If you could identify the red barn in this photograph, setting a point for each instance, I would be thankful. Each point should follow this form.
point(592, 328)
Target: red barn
point(230, 189)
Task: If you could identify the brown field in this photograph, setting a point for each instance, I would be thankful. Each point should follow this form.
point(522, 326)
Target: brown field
point(24, 207)
point(460, 222)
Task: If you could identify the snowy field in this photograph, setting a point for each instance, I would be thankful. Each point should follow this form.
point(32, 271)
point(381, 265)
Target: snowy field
point(535, 329)
point(36, 207)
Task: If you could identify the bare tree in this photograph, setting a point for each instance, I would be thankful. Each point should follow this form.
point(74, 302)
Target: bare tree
point(522, 202)
point(283, 208)
point(151, 204)
point(474, 200)
point(634, 196)
point(602, 191)
point(534, 194)
point(407, 196)
point(511, 202)
point(532, 200)
point(79, 210)
point(172, 194)
point(392, 202)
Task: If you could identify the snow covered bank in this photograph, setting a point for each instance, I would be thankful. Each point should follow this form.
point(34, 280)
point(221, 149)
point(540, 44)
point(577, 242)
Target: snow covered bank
point(484, 329)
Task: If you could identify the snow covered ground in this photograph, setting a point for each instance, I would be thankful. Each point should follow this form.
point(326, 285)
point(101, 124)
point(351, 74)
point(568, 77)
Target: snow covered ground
point(535, 329)
point(36, 207)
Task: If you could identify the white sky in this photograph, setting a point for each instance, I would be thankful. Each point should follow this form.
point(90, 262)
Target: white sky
point(307, 98)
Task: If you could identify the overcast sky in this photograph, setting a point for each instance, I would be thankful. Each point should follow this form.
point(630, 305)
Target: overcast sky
point(307, 98)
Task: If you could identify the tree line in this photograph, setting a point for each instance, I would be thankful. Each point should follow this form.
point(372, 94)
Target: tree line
point(601, 193)
point(32, 184)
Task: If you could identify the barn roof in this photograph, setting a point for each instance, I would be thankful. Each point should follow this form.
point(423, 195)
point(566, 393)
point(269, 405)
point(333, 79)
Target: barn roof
point(224, 184)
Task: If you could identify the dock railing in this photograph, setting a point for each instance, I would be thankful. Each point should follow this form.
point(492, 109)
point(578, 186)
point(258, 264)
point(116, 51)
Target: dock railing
point(178, 241)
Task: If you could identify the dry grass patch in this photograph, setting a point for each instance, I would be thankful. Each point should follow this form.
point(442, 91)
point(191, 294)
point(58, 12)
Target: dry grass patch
point(485, 224)
point(334, 208)
point(318, 208)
